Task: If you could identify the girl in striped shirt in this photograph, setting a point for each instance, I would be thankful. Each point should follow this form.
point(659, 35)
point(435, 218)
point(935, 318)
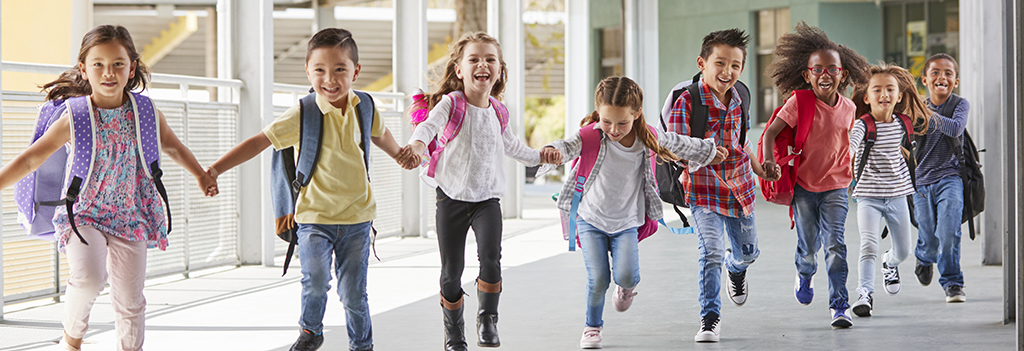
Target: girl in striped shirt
point(883, 173)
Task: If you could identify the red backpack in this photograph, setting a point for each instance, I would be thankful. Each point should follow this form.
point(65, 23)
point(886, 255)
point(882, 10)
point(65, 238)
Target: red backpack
point(789, 144)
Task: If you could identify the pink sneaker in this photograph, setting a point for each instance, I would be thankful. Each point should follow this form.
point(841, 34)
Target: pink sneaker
point(591, 338)
point(623, 298)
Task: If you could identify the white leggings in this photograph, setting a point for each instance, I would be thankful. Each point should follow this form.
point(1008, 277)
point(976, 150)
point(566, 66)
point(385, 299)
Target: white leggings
point(124, 262)
point(870, 212)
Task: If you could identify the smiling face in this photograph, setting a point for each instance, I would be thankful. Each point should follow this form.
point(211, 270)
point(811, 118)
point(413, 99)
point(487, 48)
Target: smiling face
point(617, 122)
point(107, 68)
point(883, 94)
point(940, 78)
point(479, 67)
point(824, 85)
point(332, 72)
point(722, 68)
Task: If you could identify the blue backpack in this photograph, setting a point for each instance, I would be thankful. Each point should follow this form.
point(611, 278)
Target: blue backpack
point(40, 193)
point(287, 176)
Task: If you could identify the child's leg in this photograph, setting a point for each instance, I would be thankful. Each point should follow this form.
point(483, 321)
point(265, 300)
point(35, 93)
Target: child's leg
point(625, 258)
point(950, 202)
point(487, 226)
point(595, 244)
point(452, 220)
point(88, 265)
point(711, 245)
point(126, 265)
point(743, 241)
point(351, 252)
point(927, 250)
point(808, 240)
point(897, 217)
point(316, 246)
point(869, 216)
point(833, 209)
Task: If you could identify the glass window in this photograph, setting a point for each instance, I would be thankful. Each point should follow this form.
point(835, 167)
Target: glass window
point(771, 24)
point(611, 52)
point(914, 31)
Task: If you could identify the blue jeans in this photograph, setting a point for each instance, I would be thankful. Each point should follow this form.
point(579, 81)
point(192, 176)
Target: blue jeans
point(711, 234)
point(625, 263)
point(938, 208)
point(870, 211)
point(349, 247)
point(821, 221)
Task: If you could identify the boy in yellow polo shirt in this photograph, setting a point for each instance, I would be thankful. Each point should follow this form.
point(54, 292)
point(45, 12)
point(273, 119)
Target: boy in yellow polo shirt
point(334, 211)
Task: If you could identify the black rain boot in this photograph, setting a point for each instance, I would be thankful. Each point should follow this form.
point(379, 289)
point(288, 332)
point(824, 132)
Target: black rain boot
point(454, 325)
point(487, 315)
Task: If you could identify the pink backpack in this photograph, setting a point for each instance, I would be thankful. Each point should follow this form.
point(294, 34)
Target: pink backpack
point(419, 112)
point(584, 164)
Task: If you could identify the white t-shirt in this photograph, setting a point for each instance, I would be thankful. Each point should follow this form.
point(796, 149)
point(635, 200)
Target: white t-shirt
point(472, 166)
point(615, 200)
point(885, 175)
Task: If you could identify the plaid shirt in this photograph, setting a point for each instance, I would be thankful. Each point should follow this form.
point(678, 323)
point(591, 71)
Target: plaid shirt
point(700, 152)
point(726, 188)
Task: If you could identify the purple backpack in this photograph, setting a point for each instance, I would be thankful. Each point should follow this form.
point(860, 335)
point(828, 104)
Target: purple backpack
point(40, 193)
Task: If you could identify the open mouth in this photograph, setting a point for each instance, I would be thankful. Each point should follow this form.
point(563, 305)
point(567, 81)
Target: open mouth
point(483, 76)
point(825, 85)
point(724, 81)
point(941, 86)
point(332, 90)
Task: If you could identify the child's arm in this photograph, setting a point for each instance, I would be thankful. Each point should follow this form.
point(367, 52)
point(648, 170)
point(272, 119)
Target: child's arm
point(771, 170)
point(697, 152)
point(242, 152)
point(37, 153)
point(518, 150)
point(562, 151)
point(402, 155)
point(758, 170)
point(954, 126)
point(172, 146)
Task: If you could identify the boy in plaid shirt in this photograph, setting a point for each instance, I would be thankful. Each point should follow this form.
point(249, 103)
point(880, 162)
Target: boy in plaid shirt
point(721, 197)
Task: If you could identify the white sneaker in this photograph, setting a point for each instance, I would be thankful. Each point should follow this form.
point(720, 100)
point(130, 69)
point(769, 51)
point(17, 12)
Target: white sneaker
point(710, 326)
point(623, 298)
point(591, 338)
point(891, 277)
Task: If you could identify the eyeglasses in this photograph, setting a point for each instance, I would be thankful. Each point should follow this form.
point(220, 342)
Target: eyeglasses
point(832, 71)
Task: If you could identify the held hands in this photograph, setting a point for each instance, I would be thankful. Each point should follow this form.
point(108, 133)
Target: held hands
point(407, 157)
point(720, 154)
point(770, 171)
point(208, 182)
point(550, 155)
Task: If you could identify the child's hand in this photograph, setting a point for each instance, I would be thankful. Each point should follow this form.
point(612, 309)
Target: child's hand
point(720, 154)
point(771, 171)
point(550, 155)
point(407, 158)
point(208, 182)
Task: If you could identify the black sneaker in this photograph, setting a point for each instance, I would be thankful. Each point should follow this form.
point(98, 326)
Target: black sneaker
point(863, 306)
point(924, 273)
point(955, 293)
point(307, 341)
point(709, 328)
point(738, 287)
point(891, 277)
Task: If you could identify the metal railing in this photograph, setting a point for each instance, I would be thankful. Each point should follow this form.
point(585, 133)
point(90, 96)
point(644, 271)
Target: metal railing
point(205, 229)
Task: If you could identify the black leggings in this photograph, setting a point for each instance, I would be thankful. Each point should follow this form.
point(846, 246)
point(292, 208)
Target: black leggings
point(454, 218)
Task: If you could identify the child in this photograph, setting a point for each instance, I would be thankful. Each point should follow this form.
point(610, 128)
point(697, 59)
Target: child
point(939, 196)
point(118, 211)
point(618, 198)
point(884, 179)
point(334, 212)
point(470, 178)
point(807, 59)
point(722, 196)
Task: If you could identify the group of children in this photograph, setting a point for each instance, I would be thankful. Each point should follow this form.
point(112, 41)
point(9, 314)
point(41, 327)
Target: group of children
point(121, 215)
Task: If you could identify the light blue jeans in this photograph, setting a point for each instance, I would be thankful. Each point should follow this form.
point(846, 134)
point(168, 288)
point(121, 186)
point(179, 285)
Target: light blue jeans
point(938, 209)
point(349, 247)
point(712, 230)
point(625, 264)
point(870, 212)
point(821, 221)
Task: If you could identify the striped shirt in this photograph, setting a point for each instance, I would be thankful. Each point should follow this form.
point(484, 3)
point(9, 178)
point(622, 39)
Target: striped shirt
point(728, 187)
point(885, 174)
point(936, 159)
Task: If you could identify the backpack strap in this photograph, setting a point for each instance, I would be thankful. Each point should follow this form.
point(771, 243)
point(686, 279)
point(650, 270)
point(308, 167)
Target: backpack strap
point(84, 138)
point(584, 164)
point(147, 139)
point(805, 101)
point(910, 144)
point(502, 111)
point(451, 129)
point(870, 136)
point(365, 108)
point(311, 132)
point(699, 114)
point(744, 93)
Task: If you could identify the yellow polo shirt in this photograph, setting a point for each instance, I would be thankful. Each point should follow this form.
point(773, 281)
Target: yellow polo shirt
point(339, 192)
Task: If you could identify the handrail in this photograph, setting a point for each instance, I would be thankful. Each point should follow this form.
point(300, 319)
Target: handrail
point(164, 78)
point(304, 89)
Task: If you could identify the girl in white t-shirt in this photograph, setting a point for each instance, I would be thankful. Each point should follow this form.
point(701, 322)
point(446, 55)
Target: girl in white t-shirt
point(619, 191)
point(884, 175)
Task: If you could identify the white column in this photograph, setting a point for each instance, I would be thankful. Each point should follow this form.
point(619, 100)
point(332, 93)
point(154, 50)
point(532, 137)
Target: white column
point(578, 102)
point(505, 22)
point(254, 65)
point(409, 64)
point(81, 23)
point(323, 16)
point(1, 193)
point(1013, 266)
point(640, 30)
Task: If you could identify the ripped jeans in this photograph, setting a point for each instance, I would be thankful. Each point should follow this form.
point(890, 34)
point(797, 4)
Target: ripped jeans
point(712, 229)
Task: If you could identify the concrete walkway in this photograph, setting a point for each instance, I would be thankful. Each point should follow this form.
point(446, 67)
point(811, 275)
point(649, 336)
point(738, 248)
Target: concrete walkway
point(254, 308)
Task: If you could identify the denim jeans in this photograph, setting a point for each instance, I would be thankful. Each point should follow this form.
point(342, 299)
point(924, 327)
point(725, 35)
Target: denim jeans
point(712, 229)
point(870, 212)
point(625, 264)
point(938, 208)
point(821, 221)
point(349, 247)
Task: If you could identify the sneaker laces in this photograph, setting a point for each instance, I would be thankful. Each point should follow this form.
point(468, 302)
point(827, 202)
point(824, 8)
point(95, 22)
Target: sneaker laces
point(737, 283)
point(708, 323)
point(624, 294)
point(591, 333)
point(890, 274)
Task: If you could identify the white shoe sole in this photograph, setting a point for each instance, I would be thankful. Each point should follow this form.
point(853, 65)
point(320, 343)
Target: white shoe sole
point(590, 346)
point(960, 298)
point(705, 337)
